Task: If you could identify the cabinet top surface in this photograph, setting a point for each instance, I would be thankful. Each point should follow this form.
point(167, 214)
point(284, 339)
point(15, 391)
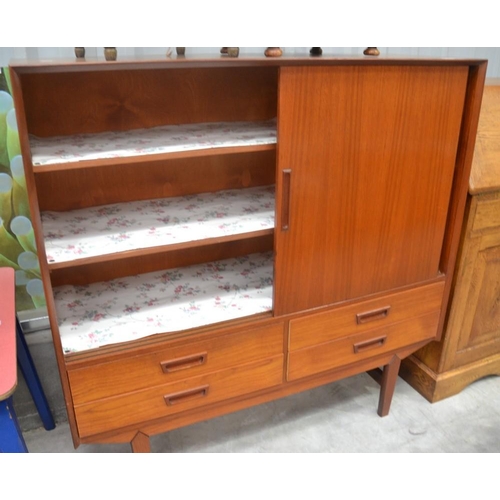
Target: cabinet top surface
point(485, 174)
point(93, 64)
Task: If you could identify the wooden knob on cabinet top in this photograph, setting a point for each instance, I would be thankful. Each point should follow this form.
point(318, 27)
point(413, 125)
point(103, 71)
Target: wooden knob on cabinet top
point(110, 53)
point(273, 52)
point(230, 51)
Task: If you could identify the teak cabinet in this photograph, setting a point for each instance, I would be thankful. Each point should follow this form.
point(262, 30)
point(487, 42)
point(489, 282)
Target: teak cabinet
point(470, 345)
point(216, 233)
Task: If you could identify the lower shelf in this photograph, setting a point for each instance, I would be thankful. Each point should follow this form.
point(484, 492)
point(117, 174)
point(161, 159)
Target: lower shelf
point(178, 299)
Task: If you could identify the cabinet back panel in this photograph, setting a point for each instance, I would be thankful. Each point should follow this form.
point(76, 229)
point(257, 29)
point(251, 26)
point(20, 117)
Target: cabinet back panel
point(100, 101)
point(139, 264)
point(72, 189)
point(372, 153)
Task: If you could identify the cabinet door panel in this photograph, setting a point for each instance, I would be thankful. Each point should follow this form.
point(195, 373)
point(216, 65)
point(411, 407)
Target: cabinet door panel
point(366, 157)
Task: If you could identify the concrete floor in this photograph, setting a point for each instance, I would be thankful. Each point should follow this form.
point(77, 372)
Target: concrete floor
point(337, 418)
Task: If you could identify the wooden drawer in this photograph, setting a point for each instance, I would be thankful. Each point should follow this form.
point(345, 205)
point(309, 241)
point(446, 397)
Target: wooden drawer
point(172, 362)
point(360, 346)
point(169, 399)
point(362, 317)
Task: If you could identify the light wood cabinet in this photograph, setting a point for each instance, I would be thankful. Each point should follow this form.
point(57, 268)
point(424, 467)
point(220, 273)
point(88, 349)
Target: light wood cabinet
point(470, 346)
point(217, 233)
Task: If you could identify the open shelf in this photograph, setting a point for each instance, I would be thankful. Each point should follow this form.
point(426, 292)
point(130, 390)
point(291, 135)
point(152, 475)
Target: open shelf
point(172, 300)
point(76, 236)
point(82, 149)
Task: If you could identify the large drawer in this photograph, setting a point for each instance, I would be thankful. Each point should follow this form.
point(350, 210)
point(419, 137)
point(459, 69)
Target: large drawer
point(174, 361)
point(361, 346)
point(169, 399)
point(313, 329)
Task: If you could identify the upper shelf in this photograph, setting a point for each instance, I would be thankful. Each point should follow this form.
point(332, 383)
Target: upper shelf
point(82, 149)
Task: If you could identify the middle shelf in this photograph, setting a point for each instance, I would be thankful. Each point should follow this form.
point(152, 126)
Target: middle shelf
point(74, 237)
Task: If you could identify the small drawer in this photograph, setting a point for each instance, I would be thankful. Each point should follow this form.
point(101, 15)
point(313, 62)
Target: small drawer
point(173, 361)
point(340, 322)
point(361, 346)
point(170, 399)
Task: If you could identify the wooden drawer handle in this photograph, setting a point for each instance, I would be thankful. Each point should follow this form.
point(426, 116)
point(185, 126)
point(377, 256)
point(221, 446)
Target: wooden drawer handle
point(376, 314)
point(369, 344)
point(185, 396)
point(285, 206)
point(183, 363)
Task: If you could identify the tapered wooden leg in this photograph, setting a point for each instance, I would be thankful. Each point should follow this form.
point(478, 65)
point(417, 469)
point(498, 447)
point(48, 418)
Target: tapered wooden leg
point(387, 385)
point(140, 443)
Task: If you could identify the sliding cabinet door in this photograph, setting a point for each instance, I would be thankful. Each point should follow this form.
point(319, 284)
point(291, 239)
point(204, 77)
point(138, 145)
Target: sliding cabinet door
point(366, 156)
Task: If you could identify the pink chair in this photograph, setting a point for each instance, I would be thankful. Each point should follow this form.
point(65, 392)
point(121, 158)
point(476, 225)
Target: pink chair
point(11, 438)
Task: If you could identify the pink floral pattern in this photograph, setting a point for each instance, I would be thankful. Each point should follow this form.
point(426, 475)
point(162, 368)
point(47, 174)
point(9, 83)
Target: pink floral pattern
point(134, 307)
point(156, 140)
point(121, 227)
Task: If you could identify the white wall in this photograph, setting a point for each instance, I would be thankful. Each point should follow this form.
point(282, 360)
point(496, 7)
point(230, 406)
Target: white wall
point(490, 53)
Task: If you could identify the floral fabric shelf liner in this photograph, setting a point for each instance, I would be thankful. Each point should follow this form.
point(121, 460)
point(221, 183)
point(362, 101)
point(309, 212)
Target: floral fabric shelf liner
point(156, 140)
point(121, 227)
point(135, 307)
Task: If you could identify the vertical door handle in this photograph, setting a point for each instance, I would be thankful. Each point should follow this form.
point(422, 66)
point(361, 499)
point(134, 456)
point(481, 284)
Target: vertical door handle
point(285, 203)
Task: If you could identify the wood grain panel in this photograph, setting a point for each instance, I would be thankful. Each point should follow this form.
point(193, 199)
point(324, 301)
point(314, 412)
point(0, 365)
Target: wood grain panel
point(133, 373)
point(485, 308)
point(487, 212)
point(100, 101)
point(485, 174)
point(372, 154)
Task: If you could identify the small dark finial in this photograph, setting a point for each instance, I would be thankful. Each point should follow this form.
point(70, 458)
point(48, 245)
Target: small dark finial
point(316, 51)
point(371, 51)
